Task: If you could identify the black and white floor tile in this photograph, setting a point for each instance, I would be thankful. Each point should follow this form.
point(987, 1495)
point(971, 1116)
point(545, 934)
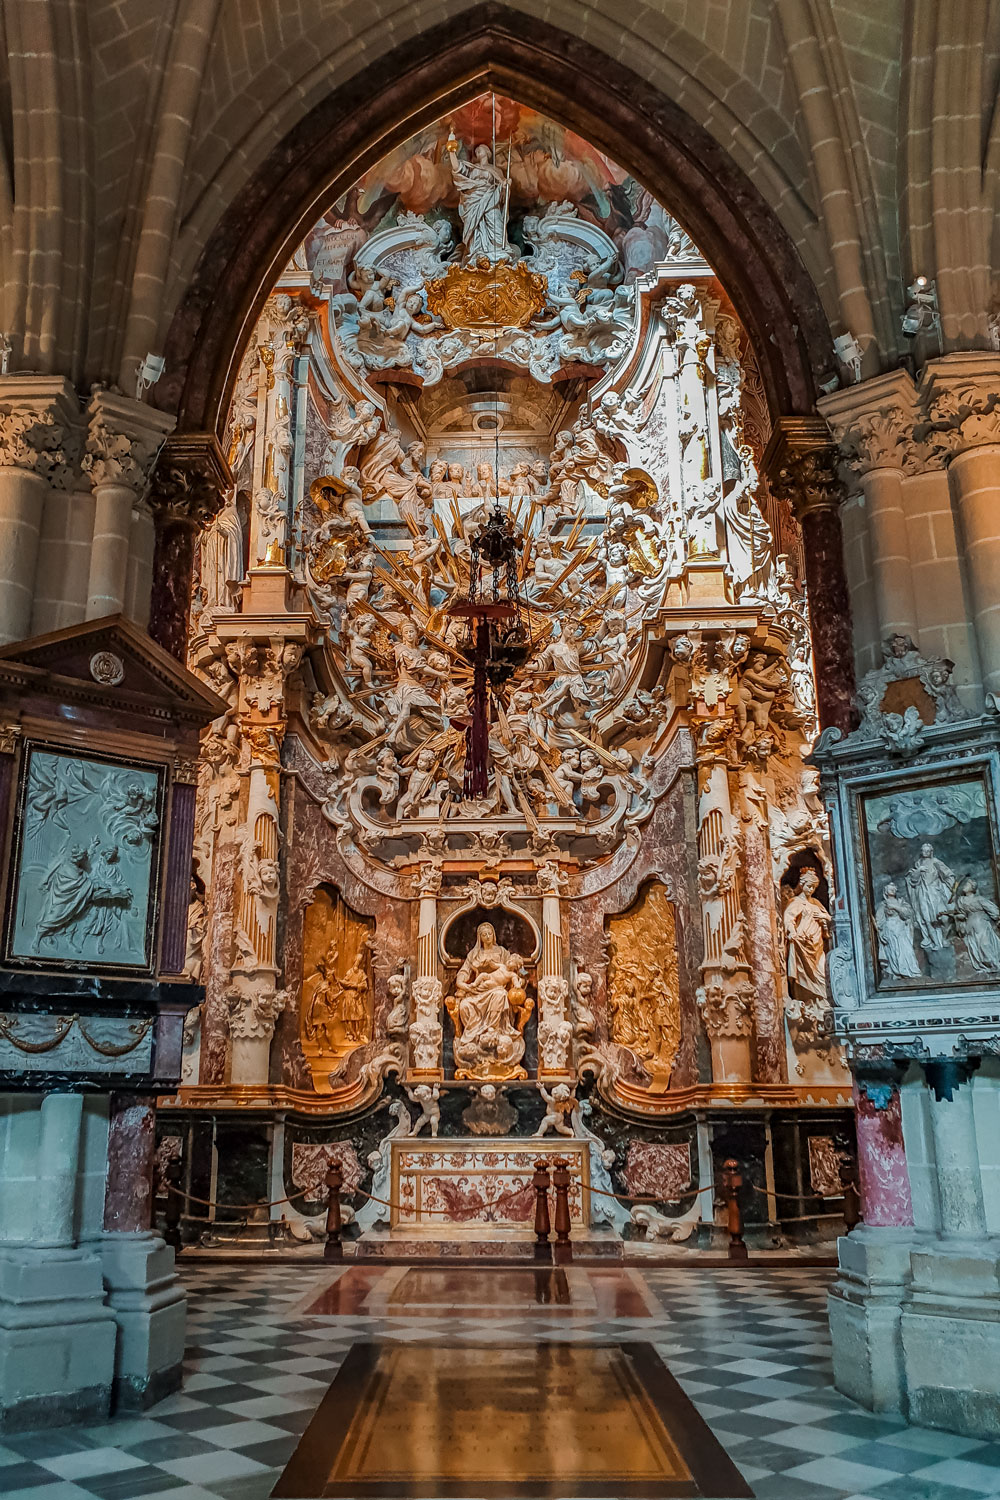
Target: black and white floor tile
point(750, 1348)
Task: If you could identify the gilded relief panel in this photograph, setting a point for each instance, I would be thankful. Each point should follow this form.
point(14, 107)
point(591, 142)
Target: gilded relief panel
point(644, 1006)
point(337, 1004)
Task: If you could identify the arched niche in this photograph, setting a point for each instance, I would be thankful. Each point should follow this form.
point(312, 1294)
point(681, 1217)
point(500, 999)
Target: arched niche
point(643, 982)
point(514, 929)
point(337, 996)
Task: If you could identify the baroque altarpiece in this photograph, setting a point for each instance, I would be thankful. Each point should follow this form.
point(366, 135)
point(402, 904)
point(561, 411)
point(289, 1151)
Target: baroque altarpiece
point(624, 927)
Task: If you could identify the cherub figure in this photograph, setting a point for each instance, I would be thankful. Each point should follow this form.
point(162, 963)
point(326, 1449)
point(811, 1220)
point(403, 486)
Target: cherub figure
point(428, 1097)
point(559, 1106)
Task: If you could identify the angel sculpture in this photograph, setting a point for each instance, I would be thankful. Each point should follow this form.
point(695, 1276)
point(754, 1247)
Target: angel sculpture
point(427, 1096)
point(560, 1105)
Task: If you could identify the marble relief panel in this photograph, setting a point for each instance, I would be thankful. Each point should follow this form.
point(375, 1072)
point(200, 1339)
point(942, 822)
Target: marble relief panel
point(932, 893)
point(86, 861)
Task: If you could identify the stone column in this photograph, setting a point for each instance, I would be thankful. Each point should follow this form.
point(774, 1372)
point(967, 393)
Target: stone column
point(865, 1303)
point(57, 1336)
point(144, 1293)
point(959, 1184)
point(801, 464)
point(551, 962)
point(874, 423)
point(426, 1033)
point(188, 485)
point(123, 440)
point(726, 994)
point(38, 438)
point(58, 1153)
point(962, 396)
point(883, 1178)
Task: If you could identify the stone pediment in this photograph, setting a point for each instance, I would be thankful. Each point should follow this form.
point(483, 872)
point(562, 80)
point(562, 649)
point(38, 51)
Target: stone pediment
point(107, 663)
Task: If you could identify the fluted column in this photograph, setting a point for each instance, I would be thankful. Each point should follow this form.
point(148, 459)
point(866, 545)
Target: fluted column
point(123, 440)
point(801, 463)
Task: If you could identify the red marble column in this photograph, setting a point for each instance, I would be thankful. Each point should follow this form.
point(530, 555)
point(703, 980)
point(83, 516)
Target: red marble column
point(829, 617)
point(173, 574)
point(802, 466)
point(128, 1198)
point(882, 1174)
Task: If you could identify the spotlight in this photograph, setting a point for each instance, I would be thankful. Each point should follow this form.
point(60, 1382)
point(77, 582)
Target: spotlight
point(921, 315)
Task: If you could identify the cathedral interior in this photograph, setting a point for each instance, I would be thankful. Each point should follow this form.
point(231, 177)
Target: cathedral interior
point(499, 751)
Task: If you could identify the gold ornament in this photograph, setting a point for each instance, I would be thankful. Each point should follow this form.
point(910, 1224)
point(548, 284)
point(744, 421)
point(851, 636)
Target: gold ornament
point(643, 984)
point(485, 296)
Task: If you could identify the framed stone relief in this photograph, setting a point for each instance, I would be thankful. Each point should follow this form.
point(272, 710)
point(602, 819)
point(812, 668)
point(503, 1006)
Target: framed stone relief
point(931, 883)
point(86, 860)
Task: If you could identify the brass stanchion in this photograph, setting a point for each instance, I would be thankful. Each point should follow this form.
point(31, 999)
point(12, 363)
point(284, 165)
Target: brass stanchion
point(732, 1181)
point(174, 1204)
point(540, 1182)
point(562, 1250)
point(334, 1249)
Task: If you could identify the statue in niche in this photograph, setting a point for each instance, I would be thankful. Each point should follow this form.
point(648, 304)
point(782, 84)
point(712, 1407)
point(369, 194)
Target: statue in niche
point(644, 983)
point(222, 557)
point(930, 884)
point(807, 926)
point(894, 927)
point(336, 1013)
point(489, 1009)
point(482, 205)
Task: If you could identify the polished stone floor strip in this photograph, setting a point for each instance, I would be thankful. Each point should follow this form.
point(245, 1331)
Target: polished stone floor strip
point(527, 1420)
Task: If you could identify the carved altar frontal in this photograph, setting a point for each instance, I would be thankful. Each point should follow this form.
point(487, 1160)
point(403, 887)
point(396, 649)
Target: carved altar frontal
point(468, 1190)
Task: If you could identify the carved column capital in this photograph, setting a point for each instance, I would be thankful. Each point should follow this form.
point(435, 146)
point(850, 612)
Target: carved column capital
point(961, 402)
point(874, 423)
point(40, 427)
point(122, 440)
point(801, 463)
point(190, 480)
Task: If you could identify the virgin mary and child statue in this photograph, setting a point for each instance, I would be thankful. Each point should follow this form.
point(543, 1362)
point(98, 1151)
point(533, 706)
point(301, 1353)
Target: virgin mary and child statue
point(488, 1009)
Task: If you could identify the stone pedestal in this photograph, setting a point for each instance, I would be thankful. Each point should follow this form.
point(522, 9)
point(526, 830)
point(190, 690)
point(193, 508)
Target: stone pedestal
point(57, 1339)
point(149, 1307)
point(865, 1311)
point(950, 1337)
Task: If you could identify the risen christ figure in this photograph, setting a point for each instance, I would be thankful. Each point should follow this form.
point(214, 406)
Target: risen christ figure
point(482, 206)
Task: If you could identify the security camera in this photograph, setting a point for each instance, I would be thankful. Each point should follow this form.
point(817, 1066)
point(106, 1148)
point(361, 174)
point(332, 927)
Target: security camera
point(148, 374)
point(848, 351)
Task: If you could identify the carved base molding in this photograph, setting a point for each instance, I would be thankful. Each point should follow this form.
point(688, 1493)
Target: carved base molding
point(356, 1096)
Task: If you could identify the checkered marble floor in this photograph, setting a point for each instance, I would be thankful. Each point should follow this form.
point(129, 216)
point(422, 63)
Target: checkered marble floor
point(751, 1349)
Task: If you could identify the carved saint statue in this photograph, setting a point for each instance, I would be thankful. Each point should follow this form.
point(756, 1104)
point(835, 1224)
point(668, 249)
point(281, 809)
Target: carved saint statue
point(482, 205)
point(894, 926)
point(489, 1009)
point(807, 923)
point(930, 884)
point(222, 556)
point(976, 918)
